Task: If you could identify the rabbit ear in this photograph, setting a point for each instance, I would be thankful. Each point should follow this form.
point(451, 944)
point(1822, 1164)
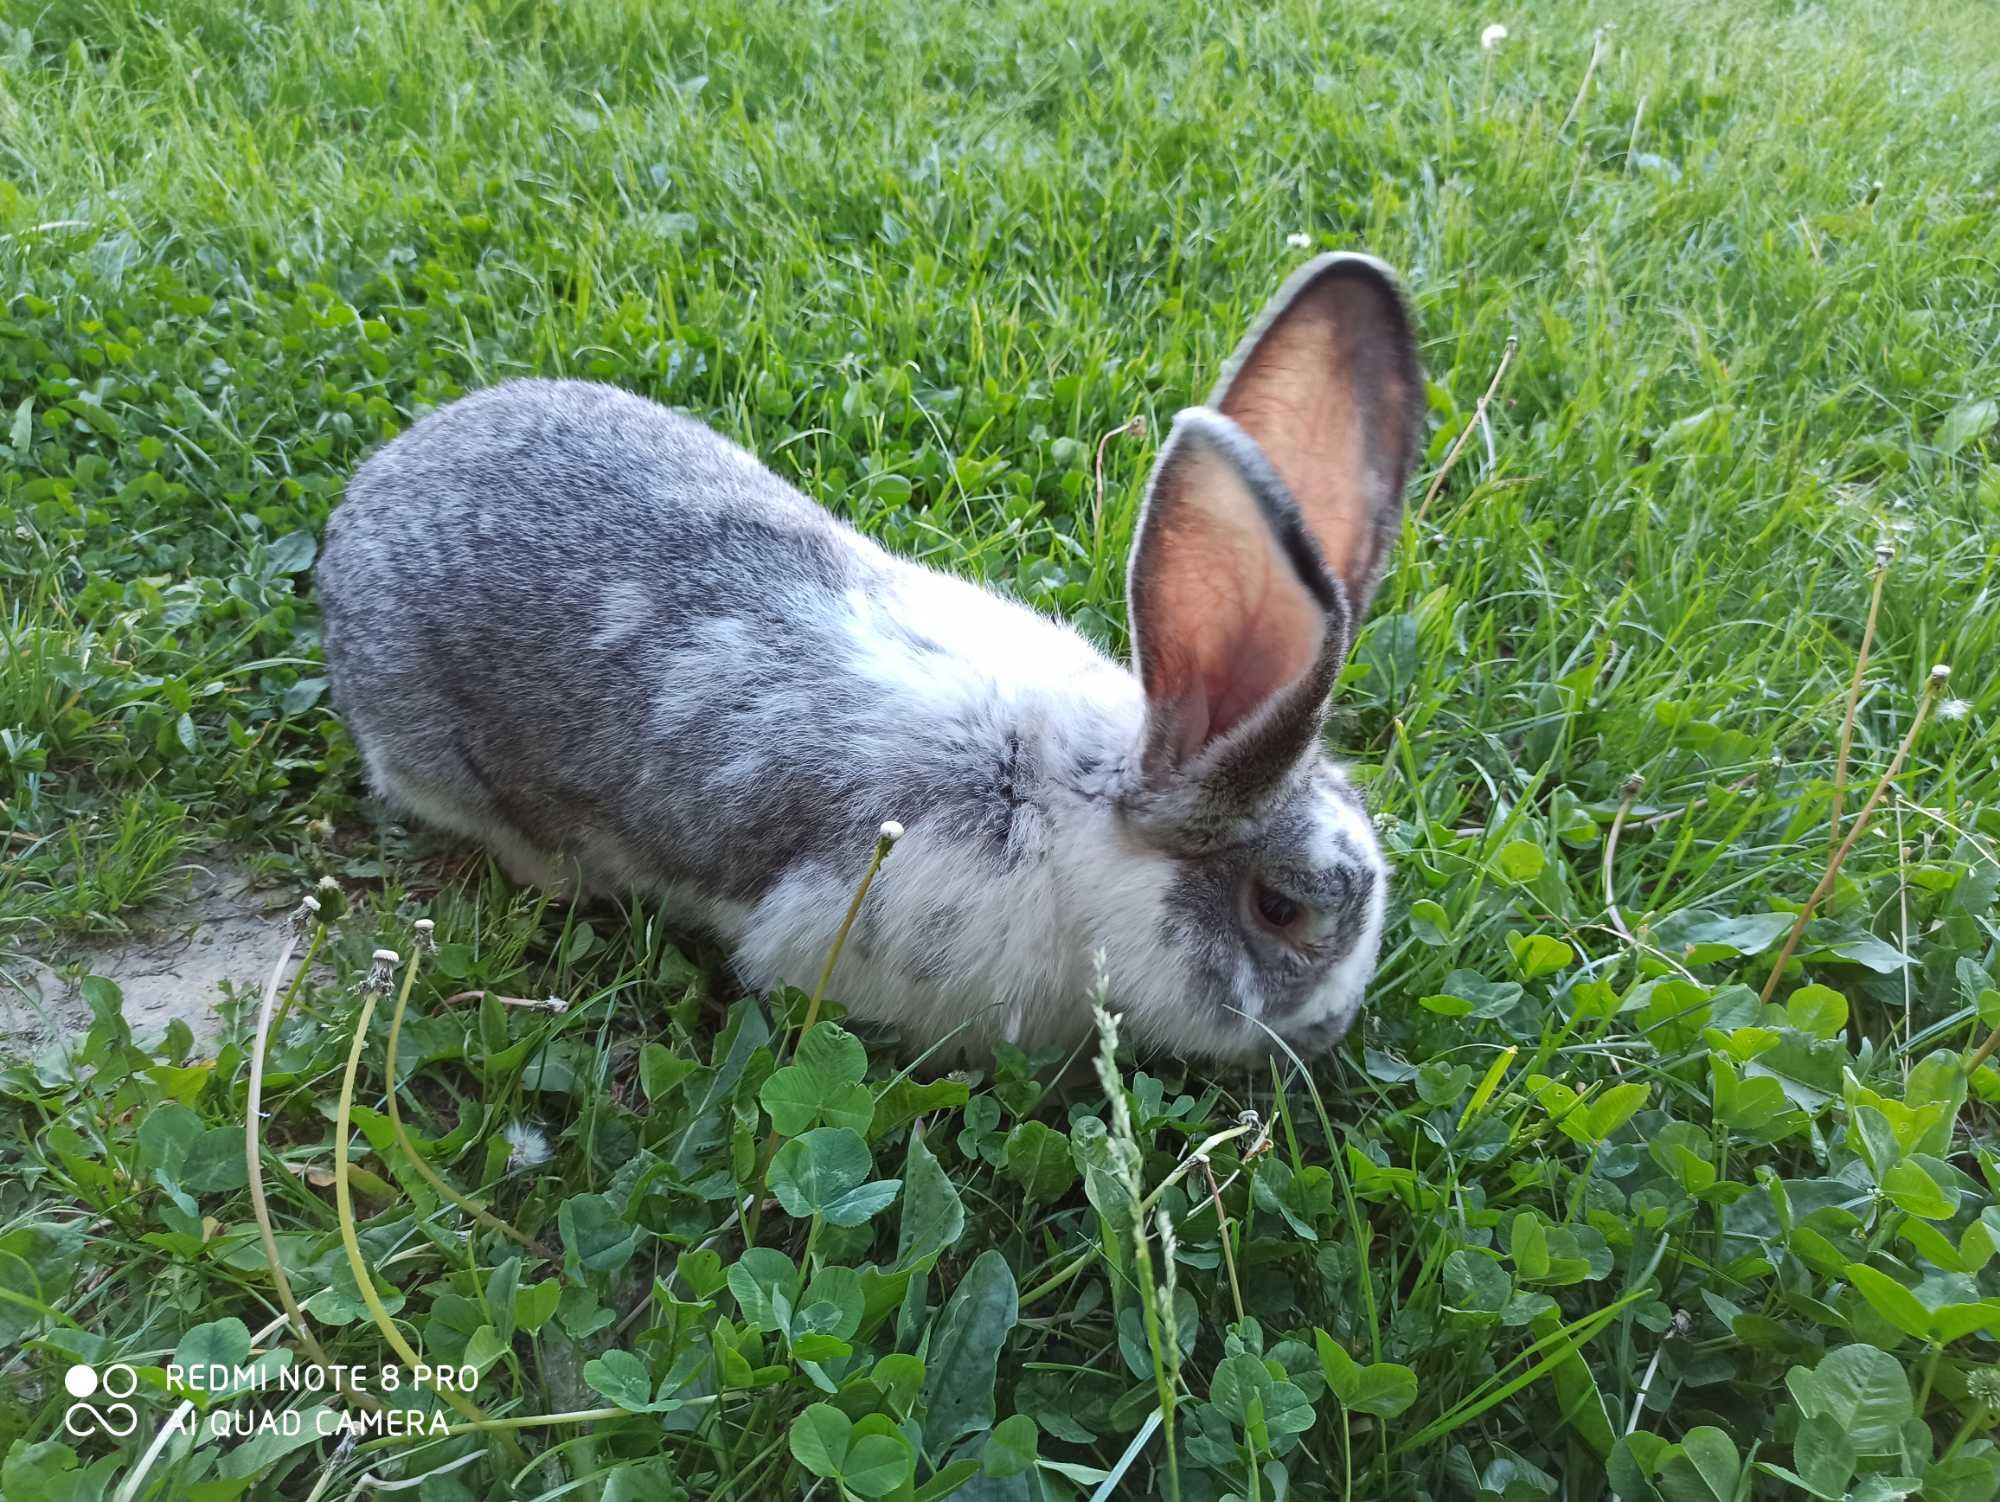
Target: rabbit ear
point(1237, 629)
point(1329, 387)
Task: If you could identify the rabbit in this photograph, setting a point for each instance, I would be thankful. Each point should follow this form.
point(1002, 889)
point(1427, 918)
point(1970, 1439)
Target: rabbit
point(608, 644)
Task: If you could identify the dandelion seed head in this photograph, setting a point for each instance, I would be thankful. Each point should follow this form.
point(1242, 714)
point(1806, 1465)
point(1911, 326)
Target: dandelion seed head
point(1954, 709)
point(1492, 37)
point(891, 831)
point(527, 1146)
point(1298, 240)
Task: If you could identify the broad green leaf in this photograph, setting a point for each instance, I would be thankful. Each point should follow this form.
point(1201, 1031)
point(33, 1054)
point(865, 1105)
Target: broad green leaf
point(1531, 1246)
point(819, 1438)
point(291, 554)
point(1536, 955)
point(535, 1304)
point(1614, 1107)
point(1937, 1084)
point(1520, 861)
point(701, 1270)
point(1966, 422)
point(1891, 1300)
point(832, 1303)
point(1704, 1467)
point(1582, 1401)
point(1697, 937)
point(1823, 1456)
point(946, 1481)
point(1819, 1011)
point(222, 1342)
point(765, 1283)
point(905, 1100)
point(165, 1136)
point(1474, 1283)
point(1038, 1159)
point(1912, 1189)
point(1806, 1068)
point(876, 1463)
point(1862, 1389)
point(1430, 923)
point(933, 1215)
point(661, 1070)
point(1478, 996)
point(1011, 1448)
point(1385, 1389)
point(825, 1173)
point(624, 1379)
point(964, 1352)
point(595, 1237)
point(823, 1085)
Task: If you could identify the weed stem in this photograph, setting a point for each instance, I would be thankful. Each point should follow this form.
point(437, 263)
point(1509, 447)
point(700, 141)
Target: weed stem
point(422, 1166)
point(1885, 551)
point(1932, 684)
point(253, 1113)
point(343, 1194)
point(1478, 417)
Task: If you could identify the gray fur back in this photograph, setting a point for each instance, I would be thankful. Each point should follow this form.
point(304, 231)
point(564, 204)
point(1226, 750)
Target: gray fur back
point(600, 626)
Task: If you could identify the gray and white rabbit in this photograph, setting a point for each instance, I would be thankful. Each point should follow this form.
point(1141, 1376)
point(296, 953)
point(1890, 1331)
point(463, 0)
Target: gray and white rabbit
point(607, 643)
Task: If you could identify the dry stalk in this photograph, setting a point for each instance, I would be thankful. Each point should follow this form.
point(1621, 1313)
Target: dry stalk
point(343, 1195)
point(1885, 551)
point(1478, 418)
point(417, 1161)
point(1934, 683)
point(1137, 428)
point(1627, 793)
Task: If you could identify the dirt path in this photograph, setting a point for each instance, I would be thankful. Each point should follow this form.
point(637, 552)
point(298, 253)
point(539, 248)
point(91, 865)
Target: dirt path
point(173, 965)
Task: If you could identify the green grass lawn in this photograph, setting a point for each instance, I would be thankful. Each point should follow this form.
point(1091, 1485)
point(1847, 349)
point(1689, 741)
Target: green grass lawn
point(1586, 1206)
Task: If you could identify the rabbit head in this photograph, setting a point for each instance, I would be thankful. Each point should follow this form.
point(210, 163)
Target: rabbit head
point(1264, 531)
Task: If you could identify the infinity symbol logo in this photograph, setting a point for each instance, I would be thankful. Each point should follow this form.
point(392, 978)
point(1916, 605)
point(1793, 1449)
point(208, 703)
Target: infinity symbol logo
point(116, 1419)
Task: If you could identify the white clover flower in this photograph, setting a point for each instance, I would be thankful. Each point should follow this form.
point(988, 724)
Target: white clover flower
point(1492, 37)
point(527, 1146)
point(1298, 240)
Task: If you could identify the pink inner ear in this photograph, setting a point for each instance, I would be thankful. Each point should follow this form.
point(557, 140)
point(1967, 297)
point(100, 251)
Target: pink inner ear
point(1308, 392)
point(1228, 623)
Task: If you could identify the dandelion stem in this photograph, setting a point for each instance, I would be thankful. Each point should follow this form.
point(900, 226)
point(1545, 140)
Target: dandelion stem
point(1931, 686)
point(1590, 71)
point(343, 1201)
point(253, 1158)
point(891, 832)
point(1222, 1230)
point(1630, 791)
point(1478, 417)
point(1986, 1051)
point(1884, 552)
point(1137, 427)
point(417, 1160)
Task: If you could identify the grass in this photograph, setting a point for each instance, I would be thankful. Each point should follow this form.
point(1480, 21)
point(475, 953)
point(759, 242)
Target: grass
point(1573, 1214)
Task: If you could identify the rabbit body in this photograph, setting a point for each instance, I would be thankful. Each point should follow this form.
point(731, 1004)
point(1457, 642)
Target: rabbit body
point(614, 648)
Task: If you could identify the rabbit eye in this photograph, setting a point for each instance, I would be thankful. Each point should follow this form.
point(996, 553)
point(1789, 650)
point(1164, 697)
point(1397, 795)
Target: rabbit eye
point(1276, 909)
